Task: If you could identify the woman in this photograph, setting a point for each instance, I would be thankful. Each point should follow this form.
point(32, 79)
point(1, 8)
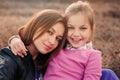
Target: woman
point(43, 35)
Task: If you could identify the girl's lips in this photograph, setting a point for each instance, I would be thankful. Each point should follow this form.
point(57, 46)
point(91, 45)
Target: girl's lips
point(76, 40)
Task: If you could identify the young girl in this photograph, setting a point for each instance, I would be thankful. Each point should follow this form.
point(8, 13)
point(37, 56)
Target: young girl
point(42, 35)
point(78, 60)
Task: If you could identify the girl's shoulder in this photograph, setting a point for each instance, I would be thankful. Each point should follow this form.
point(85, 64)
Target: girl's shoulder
point(94, 51)
point(86, 53)
point(95, 55)
point(81, 50)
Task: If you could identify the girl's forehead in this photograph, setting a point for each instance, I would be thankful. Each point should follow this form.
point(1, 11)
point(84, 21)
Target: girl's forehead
point(80, 18)
point(79, 13)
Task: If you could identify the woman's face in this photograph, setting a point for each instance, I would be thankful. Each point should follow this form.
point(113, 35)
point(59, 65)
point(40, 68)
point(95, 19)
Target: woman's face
point(50, 39)
point(79, 30)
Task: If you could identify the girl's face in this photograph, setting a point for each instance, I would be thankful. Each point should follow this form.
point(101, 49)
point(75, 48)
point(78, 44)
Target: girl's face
point(79, 30)
point(50, 39)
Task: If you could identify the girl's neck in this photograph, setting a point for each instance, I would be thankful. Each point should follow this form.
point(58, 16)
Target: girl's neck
point(86, 46)
point(33, 51)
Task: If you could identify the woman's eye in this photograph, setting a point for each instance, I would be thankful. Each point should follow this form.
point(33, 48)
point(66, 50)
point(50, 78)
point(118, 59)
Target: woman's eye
point(58, 39)
point(50, 32)
point(70, 28)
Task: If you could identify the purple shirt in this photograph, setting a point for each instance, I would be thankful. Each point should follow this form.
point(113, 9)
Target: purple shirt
point(84, 64)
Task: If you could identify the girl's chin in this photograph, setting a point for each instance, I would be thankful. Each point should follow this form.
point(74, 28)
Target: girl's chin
point(78, 45)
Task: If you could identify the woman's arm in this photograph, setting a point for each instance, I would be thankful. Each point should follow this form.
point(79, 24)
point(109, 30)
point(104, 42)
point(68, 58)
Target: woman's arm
point(17, 46)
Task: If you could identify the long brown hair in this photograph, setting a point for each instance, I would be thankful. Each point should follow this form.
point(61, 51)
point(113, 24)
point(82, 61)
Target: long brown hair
point(43, 21)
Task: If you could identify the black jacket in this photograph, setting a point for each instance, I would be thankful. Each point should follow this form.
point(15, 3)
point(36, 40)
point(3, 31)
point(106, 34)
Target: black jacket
point(15, 68)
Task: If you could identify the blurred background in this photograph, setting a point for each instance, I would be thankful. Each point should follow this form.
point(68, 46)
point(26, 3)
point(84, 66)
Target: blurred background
point(15, 13)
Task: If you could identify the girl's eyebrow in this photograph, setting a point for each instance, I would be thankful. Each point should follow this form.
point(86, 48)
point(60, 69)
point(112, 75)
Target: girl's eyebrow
point(84, 25)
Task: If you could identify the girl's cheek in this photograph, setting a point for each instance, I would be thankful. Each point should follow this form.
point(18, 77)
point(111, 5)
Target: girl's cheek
point(86, 39)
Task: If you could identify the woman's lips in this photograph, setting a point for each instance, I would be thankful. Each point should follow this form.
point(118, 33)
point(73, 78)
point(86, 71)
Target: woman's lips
point(47, 47)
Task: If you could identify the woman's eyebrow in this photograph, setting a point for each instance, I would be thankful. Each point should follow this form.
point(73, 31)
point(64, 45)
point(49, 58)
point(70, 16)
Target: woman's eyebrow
point(53, 29)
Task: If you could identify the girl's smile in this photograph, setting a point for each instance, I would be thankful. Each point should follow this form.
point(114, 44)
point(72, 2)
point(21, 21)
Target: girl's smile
point(79, 30)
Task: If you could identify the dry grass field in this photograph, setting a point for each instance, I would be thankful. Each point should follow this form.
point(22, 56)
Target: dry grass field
point(15, 13)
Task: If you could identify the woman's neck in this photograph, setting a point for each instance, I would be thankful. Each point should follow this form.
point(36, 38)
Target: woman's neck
point(33, 51)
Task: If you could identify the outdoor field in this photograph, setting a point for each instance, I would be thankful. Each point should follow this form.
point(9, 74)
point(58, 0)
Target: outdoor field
point(15, 13)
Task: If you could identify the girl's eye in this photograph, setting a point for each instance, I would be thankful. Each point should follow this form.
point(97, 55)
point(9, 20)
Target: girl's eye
point(50, 32)
point(83, 28)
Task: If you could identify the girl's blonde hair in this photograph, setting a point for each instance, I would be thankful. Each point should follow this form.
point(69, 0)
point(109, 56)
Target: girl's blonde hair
point(83, 7)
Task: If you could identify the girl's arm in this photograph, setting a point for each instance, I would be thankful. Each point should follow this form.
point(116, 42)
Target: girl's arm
point(93, 68)
point(17, 46)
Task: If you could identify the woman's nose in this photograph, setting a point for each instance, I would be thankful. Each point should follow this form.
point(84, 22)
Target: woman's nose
point(52, 40)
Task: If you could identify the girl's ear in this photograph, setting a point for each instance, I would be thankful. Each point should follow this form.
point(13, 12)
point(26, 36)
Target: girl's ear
point(94, 26)
point(93, 30)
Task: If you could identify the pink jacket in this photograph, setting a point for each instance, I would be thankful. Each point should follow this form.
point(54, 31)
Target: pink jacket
point(84, 64)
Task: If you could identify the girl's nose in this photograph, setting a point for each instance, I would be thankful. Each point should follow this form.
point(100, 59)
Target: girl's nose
point(76, 33)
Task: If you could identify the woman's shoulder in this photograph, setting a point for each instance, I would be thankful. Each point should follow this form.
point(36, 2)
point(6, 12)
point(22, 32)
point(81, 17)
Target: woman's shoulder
point(7, 63)
point(8, 58)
